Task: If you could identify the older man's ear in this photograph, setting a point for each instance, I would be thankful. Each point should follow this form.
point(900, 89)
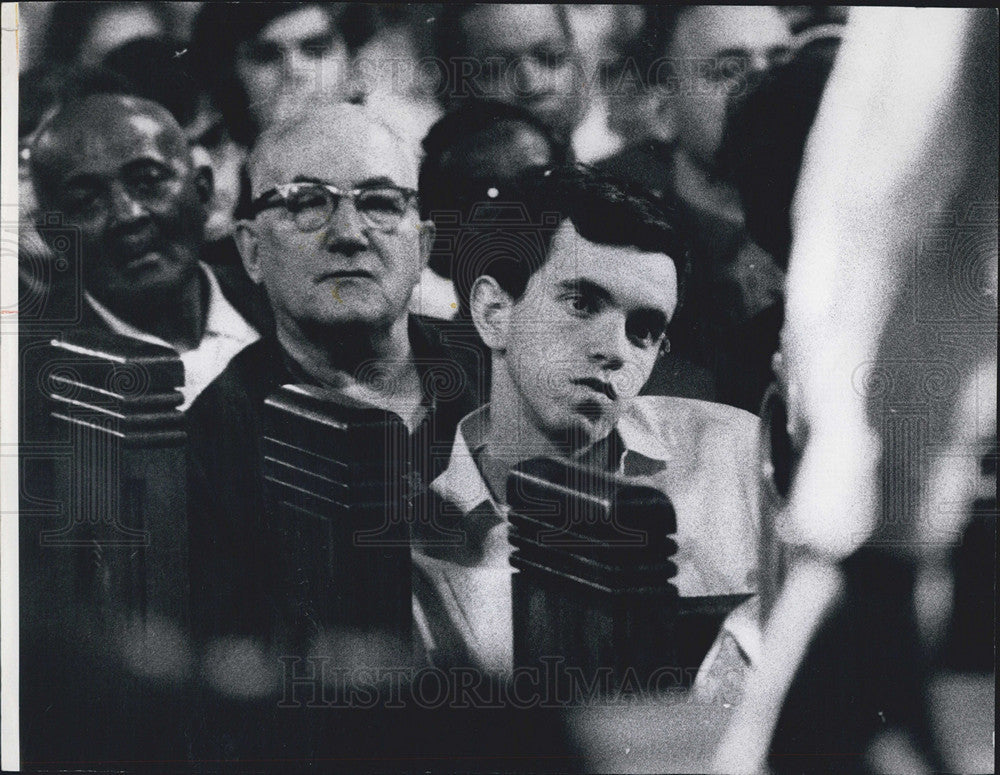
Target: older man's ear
point(246, 243)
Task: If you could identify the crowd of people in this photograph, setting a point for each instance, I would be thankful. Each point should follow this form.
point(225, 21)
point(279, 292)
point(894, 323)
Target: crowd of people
point(583, 211)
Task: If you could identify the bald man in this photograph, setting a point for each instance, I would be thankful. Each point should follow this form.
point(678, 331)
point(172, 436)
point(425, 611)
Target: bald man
point(119, 169)
point(335, 239)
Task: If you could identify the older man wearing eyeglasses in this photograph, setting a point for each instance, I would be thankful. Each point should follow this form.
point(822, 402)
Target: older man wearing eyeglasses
point(334, 237)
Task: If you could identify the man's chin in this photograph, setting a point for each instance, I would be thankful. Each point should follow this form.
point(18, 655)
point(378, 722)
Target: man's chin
point(585, 425)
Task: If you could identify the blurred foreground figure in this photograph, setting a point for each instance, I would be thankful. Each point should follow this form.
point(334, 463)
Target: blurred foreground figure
point(889, 366)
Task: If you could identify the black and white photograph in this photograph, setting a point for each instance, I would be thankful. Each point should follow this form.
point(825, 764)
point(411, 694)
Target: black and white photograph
point(498, 388)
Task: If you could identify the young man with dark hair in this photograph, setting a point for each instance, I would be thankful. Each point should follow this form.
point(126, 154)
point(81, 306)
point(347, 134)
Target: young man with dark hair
point(709, 56)
point(575, 312)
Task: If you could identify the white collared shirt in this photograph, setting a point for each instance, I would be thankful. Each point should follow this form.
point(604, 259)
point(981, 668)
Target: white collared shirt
point(226, 334)
point(698, 453)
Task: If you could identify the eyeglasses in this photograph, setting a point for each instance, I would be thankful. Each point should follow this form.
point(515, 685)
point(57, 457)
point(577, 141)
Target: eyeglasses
point(312, 205)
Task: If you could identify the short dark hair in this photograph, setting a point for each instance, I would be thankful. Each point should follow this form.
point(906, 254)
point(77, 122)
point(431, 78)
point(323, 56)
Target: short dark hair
point(515, 239)
point(69, 24)
point(456, 131)
point(765, 138)
point(448, 187)
point(159, 71)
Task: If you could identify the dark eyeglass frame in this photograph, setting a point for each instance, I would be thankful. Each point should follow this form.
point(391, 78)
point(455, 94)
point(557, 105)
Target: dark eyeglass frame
point(279, 197)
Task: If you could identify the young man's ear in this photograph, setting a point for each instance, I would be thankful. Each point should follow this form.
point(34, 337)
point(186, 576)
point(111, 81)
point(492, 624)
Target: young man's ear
point(204, 177)
point(426, 231)
point(246, 243)
point(490, 307)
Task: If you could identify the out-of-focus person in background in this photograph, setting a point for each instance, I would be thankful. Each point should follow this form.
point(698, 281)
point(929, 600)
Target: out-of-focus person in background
point(394, 43)
point(710, 56)
point(262, 61)
point(472, 157)
point(611, 40)
point(522, 54)
point(81, 34)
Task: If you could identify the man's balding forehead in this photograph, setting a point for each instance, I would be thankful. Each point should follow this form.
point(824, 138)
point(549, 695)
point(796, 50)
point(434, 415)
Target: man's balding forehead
point(329, 126)
point(96, 114)
point(100, 107)
point(85, 123)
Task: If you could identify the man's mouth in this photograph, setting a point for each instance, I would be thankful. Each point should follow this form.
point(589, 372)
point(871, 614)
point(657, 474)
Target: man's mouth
point(345, 274)
point(138, 248)
point(599, 386)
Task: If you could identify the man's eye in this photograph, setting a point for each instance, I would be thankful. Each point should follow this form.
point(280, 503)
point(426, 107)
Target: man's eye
point(583, 304)
point(308, 199)
point(80, 203)
point(731, 67)
point(388, 201)
point(551, 58)
point(263, 53)
point(318, 46)
point(212, 137)
point(149, 176)
point(645, 330)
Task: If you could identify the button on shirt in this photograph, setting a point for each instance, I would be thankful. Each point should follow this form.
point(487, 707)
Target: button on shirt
point(698, 453)
point(226, 334)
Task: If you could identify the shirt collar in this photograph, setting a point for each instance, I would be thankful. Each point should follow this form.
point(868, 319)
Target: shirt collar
point(221, 318)
point(462, 484)
point(644, 435)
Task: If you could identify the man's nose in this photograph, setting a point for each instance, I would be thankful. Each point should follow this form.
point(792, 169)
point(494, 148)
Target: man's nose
point(346, 230)
point(609, 345)
point(532, 77)
point(298, 68)
point(124, 206)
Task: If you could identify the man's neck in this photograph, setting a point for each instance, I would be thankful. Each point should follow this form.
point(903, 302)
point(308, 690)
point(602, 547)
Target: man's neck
point(180, 322)
point(373, 365)
point(512, 436)
point(699, 186)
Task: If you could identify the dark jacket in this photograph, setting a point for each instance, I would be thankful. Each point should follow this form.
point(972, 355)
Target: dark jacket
point(229, 547)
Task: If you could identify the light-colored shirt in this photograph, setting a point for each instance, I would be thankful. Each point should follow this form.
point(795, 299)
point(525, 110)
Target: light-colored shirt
point(434, 296)
point(698, 453)
point(226, 334)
